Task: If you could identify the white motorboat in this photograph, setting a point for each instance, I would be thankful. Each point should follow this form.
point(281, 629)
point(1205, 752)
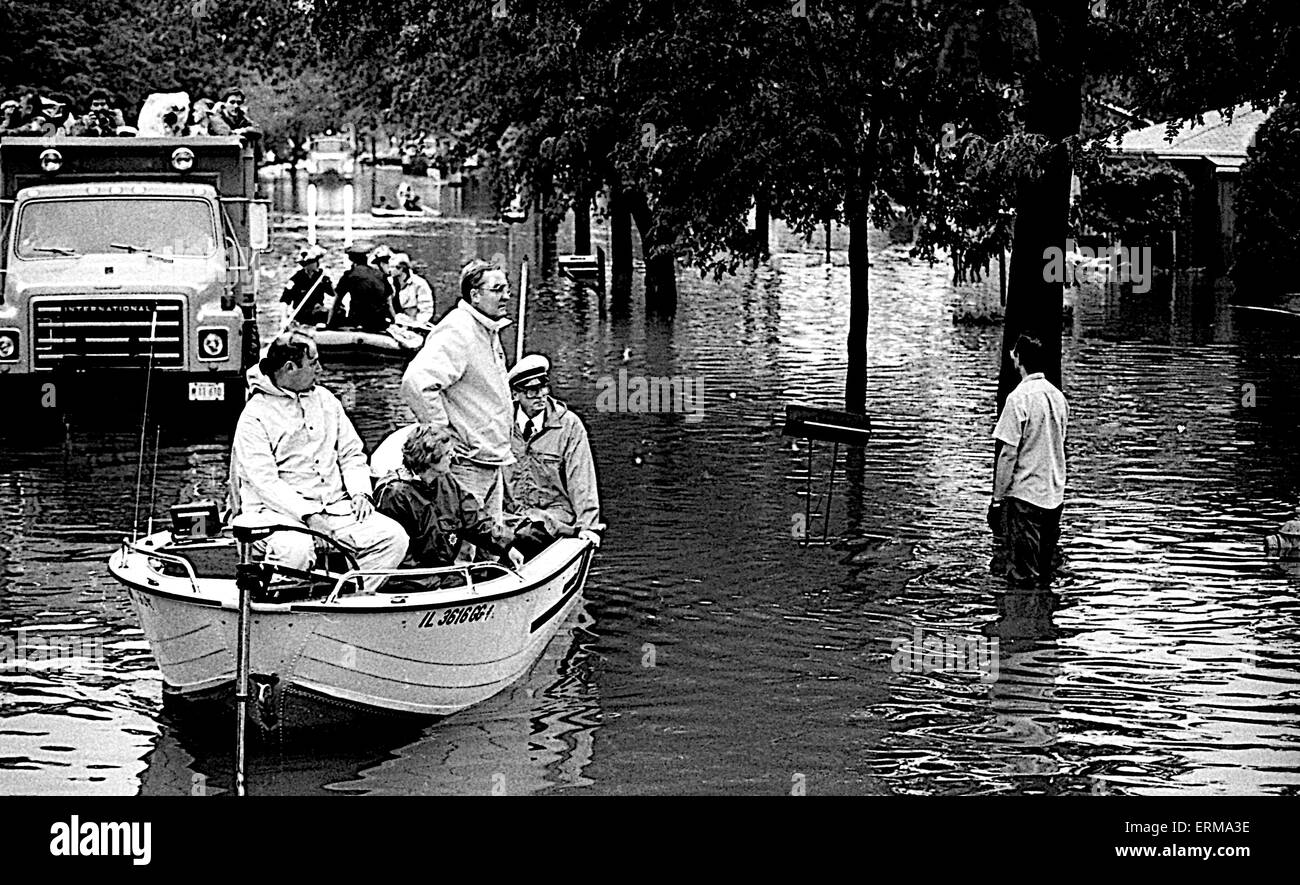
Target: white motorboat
point(430, 642)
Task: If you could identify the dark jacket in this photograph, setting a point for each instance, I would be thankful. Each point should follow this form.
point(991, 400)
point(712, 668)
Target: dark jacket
point(370, 309)
point(437, 518)
point(299, 285)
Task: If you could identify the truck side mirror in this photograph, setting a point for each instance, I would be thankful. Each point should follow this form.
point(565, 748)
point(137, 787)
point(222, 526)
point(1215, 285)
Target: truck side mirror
point(259, 227)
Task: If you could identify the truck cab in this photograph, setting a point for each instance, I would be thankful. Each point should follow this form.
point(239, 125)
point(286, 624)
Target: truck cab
point(130, 262)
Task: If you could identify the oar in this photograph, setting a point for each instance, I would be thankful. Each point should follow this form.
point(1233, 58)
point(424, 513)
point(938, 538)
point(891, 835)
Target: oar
point(1290, 313)
point(301, 304)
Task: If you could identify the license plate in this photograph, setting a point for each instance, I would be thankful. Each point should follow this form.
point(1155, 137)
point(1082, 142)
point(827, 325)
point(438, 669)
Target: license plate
point(207, 391)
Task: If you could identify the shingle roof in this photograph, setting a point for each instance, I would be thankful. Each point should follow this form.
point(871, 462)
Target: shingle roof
point(1217, 140)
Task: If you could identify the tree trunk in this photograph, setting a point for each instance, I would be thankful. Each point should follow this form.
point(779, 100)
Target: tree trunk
point(582, 225)
point(762, 211)
point(855, 383)
point(660, 262)
point(620, 246)
point(1054, 108)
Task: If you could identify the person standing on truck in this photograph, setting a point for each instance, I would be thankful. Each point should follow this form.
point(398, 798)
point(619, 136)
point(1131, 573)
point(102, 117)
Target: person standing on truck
point(102, 120)
point(296, 455)
point(312, 283)
point(25, 117)
point(366, 289)
point(235, 116)
point(204, 119)
point(458, 382)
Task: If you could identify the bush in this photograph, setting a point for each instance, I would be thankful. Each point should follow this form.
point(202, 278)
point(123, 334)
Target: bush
point(1138, 201)
point(1267, 246)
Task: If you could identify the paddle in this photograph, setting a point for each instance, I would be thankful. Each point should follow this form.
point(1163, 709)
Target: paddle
point(297, 310)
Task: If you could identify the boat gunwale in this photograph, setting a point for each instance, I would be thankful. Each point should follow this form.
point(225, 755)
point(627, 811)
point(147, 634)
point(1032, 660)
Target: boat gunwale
point(345, 604)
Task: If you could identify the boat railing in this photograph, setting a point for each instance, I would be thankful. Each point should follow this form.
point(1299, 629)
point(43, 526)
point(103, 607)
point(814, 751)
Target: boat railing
point(151, 553)
point(465, 569)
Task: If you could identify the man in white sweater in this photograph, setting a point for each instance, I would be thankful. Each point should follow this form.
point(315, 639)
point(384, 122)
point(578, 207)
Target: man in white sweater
point(297, 455)
point(458, 382)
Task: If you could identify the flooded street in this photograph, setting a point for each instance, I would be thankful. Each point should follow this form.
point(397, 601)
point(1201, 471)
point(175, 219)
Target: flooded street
point(716, 654)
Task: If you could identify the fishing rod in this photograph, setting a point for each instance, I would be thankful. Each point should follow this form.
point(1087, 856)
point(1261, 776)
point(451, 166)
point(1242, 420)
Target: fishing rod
point(144, 423)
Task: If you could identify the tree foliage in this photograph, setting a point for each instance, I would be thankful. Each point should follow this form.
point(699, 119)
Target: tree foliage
point(1268, 206)
point(1135, 199)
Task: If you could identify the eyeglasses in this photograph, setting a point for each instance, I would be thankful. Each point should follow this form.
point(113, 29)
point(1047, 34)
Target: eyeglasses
point(497, 289)
point(534, 392)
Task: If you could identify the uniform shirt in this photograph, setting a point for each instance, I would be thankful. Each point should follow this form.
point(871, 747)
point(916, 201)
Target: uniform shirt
point(299, 285)
point(1033, 422)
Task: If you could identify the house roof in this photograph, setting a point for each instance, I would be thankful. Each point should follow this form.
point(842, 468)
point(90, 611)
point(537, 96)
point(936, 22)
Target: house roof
point(1221, 142)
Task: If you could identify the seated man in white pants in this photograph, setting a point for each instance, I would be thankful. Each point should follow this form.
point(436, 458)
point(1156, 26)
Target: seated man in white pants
point(297, 455)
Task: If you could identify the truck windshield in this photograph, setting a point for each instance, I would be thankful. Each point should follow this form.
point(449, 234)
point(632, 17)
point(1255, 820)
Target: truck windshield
point(57, 228)
point(331, 146)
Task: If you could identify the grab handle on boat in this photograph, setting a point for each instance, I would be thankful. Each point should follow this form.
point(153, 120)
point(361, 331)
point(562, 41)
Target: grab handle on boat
point(465, 569)
point(167, 557)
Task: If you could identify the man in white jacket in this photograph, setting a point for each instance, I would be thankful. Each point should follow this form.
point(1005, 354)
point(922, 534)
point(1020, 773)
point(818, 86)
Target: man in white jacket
point(458, 382)
point(297, 455)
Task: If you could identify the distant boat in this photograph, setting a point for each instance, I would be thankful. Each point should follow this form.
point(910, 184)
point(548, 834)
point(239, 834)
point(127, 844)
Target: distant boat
point(398, 342)
point(395, 212)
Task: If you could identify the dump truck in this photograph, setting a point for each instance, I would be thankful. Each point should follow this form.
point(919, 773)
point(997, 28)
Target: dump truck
point(128, 275)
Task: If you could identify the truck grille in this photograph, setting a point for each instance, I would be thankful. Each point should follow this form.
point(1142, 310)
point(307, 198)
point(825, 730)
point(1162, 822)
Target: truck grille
point(108, 332)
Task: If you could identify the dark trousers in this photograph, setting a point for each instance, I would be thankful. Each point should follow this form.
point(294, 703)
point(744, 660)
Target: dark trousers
point(1031, 537)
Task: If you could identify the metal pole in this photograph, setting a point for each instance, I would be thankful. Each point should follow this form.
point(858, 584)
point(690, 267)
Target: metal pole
point(241, 674)
point(523, 308)
point(374, 166)
point(311, 214)
point(807, 500)
point(349, 197)
point(830, 494)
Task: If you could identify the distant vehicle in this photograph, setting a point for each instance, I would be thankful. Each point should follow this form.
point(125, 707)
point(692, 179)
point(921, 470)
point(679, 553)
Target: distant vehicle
point(330, 155)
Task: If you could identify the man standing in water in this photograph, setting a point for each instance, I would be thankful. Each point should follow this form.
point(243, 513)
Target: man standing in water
point(1029, 480)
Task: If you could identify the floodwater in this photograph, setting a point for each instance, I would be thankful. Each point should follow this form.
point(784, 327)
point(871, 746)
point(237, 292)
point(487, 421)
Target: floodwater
point(716, 654)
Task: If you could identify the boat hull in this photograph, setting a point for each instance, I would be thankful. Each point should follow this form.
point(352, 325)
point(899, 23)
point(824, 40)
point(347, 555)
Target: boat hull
point(417, 654)
point(352, 343)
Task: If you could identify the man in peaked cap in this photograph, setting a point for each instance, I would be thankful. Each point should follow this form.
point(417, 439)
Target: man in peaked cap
point(552, 484)
point(309, 282)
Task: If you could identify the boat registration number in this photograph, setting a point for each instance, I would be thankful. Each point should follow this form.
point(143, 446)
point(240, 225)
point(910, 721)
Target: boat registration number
point(207, 391)
point(450, 617)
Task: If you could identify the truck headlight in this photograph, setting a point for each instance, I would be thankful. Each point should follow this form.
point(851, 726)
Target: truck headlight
point(213, 344)
point(51, 160)
point(8, 345)
point(182, 159)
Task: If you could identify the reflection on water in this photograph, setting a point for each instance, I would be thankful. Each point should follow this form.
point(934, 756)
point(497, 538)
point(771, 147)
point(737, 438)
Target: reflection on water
point(715, 654)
